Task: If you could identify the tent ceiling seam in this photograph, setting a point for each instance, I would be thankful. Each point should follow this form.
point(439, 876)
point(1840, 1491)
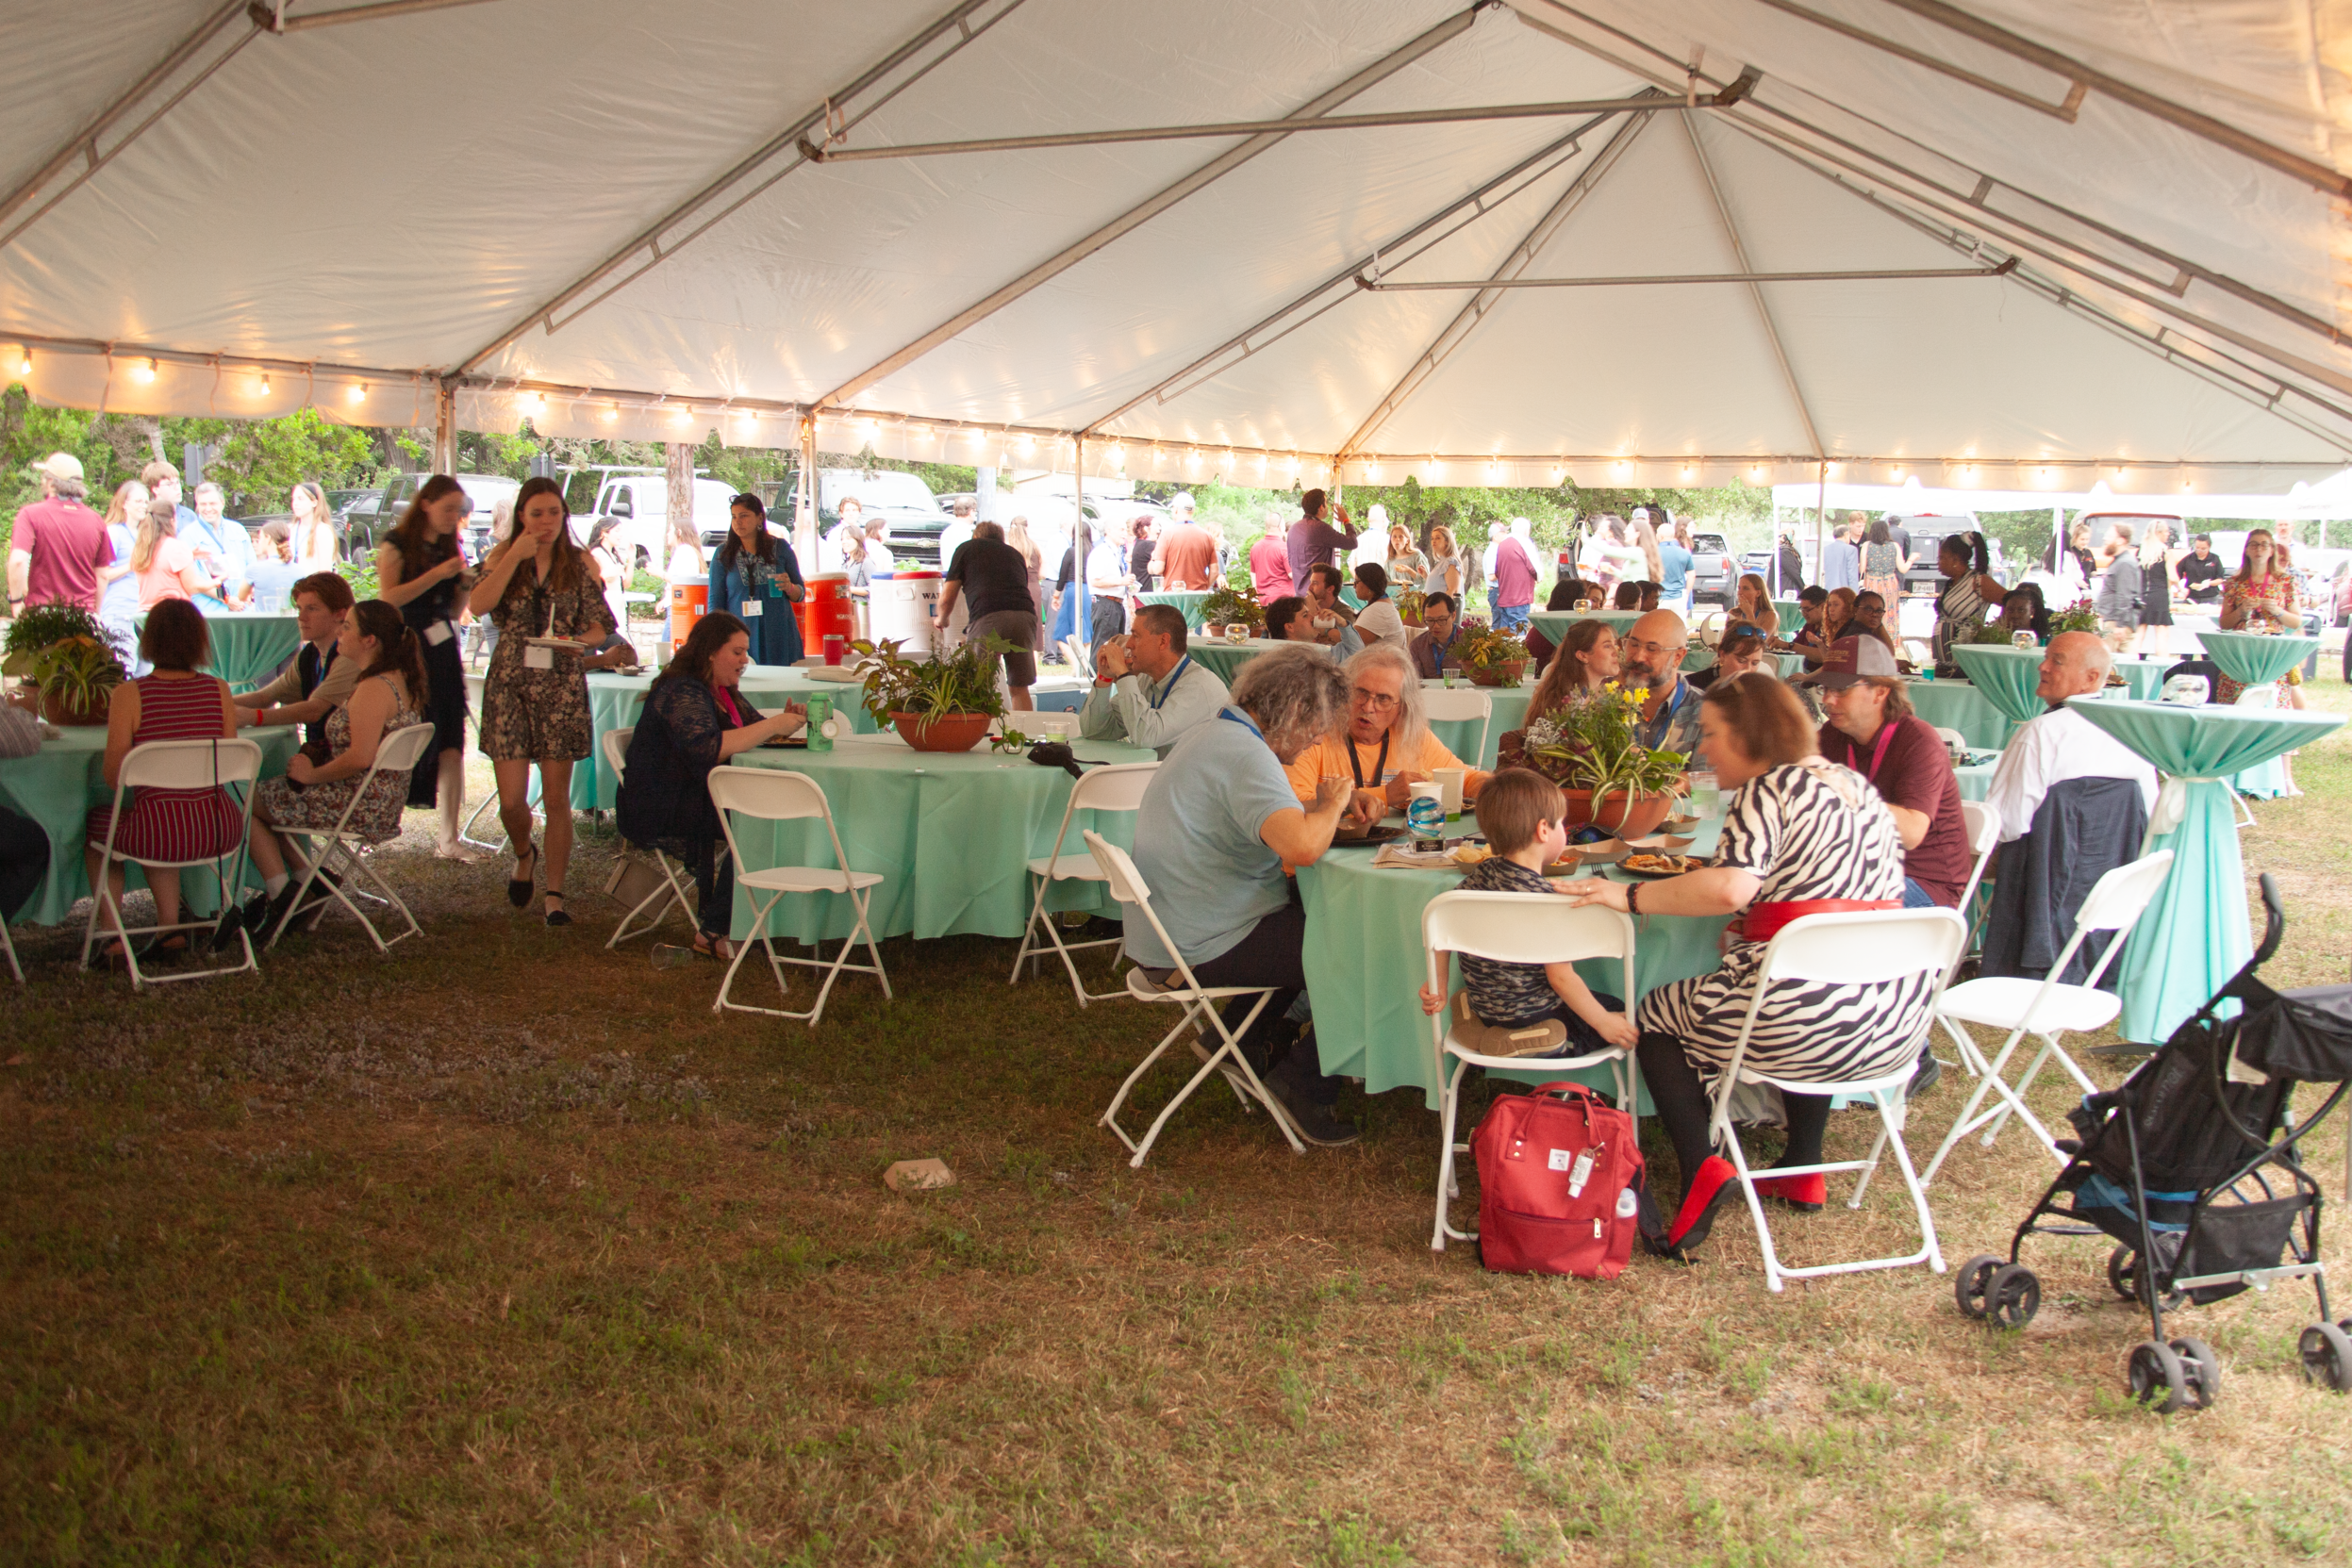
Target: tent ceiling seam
point(1216, 168)
point(784, 141)
point(1755, 290)
point(1523, 255)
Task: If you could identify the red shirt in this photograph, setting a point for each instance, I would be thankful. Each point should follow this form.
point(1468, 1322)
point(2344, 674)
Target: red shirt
point(1515, 573)
point(1187, 557)
point(1270, 568)
point(68, 544)
point(1914, 772)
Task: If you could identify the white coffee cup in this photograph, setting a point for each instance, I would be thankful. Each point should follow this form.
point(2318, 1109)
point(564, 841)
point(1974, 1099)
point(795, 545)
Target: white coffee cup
point(1450, 779)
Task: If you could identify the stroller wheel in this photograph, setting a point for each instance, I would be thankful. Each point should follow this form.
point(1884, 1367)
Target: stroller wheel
point(2158, 1379)
point(2123, 1273)
point(2328, 1357)
point(1968, 1284)
point(2011, 1296)
point(2202, 1368)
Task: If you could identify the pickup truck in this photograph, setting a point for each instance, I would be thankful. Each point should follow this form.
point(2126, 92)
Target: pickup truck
point(371, 517)
point(639, 501)
point(912, 518)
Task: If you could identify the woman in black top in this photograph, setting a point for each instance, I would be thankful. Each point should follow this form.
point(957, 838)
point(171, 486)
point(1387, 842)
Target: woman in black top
point(420, 571)
point(695, 718)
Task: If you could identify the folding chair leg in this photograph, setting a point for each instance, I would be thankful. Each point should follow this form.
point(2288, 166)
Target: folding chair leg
point(7, 946)
point(1449, 1188)
point(1230, 1046)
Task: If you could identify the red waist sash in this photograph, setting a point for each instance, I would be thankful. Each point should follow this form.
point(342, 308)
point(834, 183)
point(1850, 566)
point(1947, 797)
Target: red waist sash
point(1762, 921)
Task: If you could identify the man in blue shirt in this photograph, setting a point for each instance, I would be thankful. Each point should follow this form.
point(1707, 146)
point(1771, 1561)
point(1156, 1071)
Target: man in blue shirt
point(1841, 557)
point(222, 546)
point(1674, 567)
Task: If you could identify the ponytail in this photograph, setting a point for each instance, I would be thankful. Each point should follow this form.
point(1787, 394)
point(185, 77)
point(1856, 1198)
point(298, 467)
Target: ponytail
point(398, 650)
point(1979, 559)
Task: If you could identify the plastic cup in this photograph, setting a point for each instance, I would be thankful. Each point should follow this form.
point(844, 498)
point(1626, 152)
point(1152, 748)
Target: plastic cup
point(1449, 781)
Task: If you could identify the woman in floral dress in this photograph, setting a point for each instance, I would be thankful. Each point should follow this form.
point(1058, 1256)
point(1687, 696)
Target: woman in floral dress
point(539, 585)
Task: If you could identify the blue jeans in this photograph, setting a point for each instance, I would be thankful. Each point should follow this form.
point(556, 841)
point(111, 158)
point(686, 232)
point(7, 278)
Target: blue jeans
point(1916, 897)
point(714, 895)
point(1065, 620)
point(1510, 618)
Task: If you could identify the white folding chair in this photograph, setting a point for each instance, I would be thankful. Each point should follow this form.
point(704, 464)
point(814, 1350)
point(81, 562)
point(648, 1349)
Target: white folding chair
point(8, 946)
point(616, 747)
point(1080, 657)
point(1862, 947)
point(1118, 788)
point(324, 847)
point(2046, 1008)
point(1952, 738)
point(1513, 928)
point(1200, 1016)
point(178, 764)
point(1441, 704)
point(1983, 827)
point(773, 795)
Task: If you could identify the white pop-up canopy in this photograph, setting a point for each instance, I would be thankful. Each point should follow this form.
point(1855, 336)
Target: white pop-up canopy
point(1630, 241)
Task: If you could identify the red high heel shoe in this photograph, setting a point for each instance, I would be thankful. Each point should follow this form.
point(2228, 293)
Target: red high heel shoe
point(1805, 1194)
point(1715, 1181)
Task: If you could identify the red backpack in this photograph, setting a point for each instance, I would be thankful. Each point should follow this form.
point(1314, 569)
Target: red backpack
point(1561, 1185)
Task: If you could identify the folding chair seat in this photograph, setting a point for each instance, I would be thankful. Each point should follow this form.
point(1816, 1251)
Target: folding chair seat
point(177, 765)
point(1845, 949)
point(1117, 788)
point(1443, 704)
point(2045, 1008)
point(616, 747)
point(774, 795)
point(1200, 1016)
point(1513, 928)
point(327, 847)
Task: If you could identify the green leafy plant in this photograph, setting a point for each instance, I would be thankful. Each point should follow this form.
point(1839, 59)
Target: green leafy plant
point(79, 674)
point(44, 626)
point(1482, 647)
point(1009, 739)
point(963, 681)
point(1992, 632)
point(2078, 616)
point(1228, 603)
point(1591, 744)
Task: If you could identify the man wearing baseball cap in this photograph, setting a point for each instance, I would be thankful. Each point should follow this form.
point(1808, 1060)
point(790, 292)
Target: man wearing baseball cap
point(1872, 730)
point(58, 545)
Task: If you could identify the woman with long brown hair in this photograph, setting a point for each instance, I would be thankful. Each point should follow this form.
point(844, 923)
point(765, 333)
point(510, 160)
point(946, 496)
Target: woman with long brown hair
point(419, 572)
point(1588, 659)
point(541, 589)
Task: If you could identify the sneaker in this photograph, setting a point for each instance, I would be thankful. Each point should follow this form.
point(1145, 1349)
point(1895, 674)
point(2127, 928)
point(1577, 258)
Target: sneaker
point(1318, 1124)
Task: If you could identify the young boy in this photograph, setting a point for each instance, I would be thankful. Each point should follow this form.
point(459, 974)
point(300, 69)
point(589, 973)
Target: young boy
point(1522, 814)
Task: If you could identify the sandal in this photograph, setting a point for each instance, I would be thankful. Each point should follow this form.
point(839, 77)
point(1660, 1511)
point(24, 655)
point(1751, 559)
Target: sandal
point(519, 888)
point(558, 917)
point(720, 948)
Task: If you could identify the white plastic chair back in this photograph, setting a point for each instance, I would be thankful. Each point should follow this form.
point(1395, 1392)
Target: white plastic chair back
point(2263, 696)
point(1441, 704)
point(400, 751)
point(1115, 788)
point(2117, 899)
point(190, 765)
point(1982, 825)
point(1889, 944)
point(770, 795)
point(616, 747)
point(1119, 872)
point(1524, 927)
point(1952, 738)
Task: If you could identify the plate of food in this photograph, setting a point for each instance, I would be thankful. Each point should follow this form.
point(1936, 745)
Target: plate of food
point(567, 645)
point(1655, 864)
point(1350, 833)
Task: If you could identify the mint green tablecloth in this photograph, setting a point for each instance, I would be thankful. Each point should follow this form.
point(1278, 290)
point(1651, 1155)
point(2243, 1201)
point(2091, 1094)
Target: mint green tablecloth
point(1792, 615)
point(2005, 677)
point(2251, 658)
point(1366, 965)
point(1555, 624)
point(1189, 600)
point(615, 701)
point(58, 786)
point(1789, 666)
point(2144, 678)
point(1226, 658)
point(2195, 935)
point(950, 833)
point(1959, 705)
point(247, 647)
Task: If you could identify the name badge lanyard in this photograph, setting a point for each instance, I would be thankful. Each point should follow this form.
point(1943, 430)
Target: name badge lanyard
point(1379, 770)
point(1173, 676)
point(1877, 753)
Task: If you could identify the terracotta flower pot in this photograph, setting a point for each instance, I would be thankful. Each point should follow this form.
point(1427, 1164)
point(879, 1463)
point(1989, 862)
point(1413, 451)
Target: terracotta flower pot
point(54, 709)
point(1497, 674)
point(954, 731)
point(1627, 816)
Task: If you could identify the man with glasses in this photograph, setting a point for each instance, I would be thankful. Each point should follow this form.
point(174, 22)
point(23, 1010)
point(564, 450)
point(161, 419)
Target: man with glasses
point(1148, 690)
point(1652, 652)
point(1389, 747)
point(222, 546)
point(1441, 623)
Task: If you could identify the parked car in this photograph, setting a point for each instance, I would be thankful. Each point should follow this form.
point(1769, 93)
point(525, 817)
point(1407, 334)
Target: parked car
point(1714, 574)
point(639, 502)
point(368, 521)
point(1927, 532)
point(912, 518)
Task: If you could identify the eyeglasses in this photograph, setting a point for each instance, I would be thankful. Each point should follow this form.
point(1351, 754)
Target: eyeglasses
point(1637, 645)
point(1379, 702)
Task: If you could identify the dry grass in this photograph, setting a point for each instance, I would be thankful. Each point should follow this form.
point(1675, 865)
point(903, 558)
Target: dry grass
point(505, 1250)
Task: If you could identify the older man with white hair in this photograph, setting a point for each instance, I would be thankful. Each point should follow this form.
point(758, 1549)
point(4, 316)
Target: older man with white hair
point(1387, 747)
point(2062, 744)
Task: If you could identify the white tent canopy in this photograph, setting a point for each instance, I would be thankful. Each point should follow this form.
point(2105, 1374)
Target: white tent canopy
point(600, 216)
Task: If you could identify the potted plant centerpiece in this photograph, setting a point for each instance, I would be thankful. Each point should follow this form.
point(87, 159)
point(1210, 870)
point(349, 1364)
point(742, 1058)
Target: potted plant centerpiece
point(942, 704)
point(65, 664)
point(1589, 749)
point(1490, 657)
point(1227, 605)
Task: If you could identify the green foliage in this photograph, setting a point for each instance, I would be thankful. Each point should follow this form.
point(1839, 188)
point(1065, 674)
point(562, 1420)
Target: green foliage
point(1591, 744)
point(1233, 602)
point(964, 682)
point(262, 460)
point(1481, 646)
point(44, 626)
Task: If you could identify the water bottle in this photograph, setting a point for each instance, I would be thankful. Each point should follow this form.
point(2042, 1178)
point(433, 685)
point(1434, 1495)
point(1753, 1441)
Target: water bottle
point(821, 721)
point(1424, 814)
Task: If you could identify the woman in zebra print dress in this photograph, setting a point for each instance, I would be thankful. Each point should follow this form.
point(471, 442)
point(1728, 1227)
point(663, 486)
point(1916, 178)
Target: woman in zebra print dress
point(1796, 830)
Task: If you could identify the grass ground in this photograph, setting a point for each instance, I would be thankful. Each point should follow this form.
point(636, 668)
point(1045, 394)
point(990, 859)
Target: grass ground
point(505, 1250)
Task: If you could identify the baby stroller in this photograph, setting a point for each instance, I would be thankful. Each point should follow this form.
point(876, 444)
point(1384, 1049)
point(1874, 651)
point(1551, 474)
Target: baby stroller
point(2191, 1165)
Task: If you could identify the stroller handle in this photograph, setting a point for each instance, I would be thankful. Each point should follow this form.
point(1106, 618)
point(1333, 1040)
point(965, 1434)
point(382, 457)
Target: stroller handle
point(2274, 921)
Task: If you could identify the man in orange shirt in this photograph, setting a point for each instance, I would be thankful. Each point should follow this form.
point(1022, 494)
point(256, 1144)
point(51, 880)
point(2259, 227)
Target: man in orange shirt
point(1388, 746)
point(1184, 559)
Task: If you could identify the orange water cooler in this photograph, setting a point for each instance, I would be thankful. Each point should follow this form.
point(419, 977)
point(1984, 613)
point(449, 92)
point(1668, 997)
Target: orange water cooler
point(688, 604)
point(828, 609)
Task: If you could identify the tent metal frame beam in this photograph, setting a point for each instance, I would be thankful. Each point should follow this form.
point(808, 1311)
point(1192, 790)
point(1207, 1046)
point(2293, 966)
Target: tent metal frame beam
point(1864, 275)
point(648, 242)
point(1534, 166)
point(273, 18)
point(1728, 96)
point(2088, 78)
point(1136, 216)
point(1755, 291)
point(84, 142)
point(1522, 256)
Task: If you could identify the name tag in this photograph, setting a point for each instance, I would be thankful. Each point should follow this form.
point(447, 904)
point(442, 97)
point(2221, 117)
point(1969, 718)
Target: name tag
point(754, 608)
point(538, 658)
point(438, 633)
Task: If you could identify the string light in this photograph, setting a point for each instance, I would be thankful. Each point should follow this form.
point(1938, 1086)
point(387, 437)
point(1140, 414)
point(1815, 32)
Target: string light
point(1755, 471)
point(612, 412)
point(265, 384)
point(355, 393)
point(144, 371)
point(1624, 468)
point(536, 401)
point(24, 362)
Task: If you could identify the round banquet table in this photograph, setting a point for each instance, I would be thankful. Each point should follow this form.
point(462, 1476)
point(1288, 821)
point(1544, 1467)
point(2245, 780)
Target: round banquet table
point(950, 833)
point(1186, 600)
point(58, 786)
point(2195, 935)
point(615, 700)
point(1226, 658)
point(1555, 624)
point(2256, 658)
point(247, 647)
point(1792, 615)
point(2005, 677)
point(1960, 706)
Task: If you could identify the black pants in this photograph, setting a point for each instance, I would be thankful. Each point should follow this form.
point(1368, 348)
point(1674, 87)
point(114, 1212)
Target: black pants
point(24, 861)
point(1682, 1102)
point(1109, 615)
point(1274, 953)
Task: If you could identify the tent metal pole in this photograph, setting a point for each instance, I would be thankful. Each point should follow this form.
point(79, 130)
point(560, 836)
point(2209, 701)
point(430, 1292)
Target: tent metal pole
point(1755, 293)
point(1136, 216)
point(1820, 511)
point(804, 521)
point(445, 427)
point(648, 240)
point(1865, 276)
point(1081, 624)
point(274, 18)
point(84, 144)
point(1522, 256)
point(1654, 105)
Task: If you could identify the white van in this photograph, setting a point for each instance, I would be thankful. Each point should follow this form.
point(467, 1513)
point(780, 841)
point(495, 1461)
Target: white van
point(640, 505)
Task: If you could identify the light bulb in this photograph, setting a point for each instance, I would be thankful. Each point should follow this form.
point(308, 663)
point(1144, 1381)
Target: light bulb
point(265, 385)
point(357, 392)
point(144, 372)
point(24, 362)
point(612, 412)
point(537, 401)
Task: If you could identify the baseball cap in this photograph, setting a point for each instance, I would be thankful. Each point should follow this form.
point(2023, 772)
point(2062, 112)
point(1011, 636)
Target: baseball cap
point(1855, 658)
point(62, 464)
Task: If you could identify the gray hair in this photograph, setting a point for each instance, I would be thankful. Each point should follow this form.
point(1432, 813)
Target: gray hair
point(1412, 723)
point(988, 530)
point(1296, 694)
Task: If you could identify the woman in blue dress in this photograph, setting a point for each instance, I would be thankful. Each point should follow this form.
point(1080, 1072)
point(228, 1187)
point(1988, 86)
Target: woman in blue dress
point(756, 578)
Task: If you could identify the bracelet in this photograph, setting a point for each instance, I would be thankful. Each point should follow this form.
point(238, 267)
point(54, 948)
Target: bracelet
point(1632, 898)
